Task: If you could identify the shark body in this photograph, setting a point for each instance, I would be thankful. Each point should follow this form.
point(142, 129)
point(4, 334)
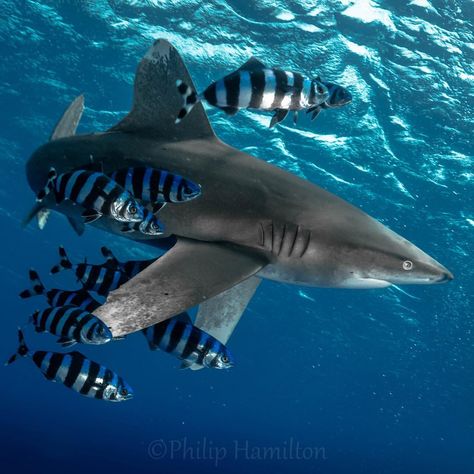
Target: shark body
point(252, 220)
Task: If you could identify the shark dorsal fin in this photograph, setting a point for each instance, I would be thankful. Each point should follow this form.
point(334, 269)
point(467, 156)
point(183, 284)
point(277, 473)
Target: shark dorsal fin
point(67, 125)
point(156, 100)
point(252, 64)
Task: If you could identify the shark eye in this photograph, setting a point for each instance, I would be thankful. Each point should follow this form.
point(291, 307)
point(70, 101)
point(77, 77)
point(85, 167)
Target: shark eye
point(407, 265)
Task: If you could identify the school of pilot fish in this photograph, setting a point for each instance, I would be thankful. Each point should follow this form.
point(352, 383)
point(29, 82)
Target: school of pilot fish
point(134, 197)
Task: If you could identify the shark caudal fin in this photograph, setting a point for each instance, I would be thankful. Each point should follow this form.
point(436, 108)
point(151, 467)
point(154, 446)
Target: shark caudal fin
point(22, 350)
point(64, 262)
point(66, 127)
point(190, 98)
point(156, 100)
point(37, 287)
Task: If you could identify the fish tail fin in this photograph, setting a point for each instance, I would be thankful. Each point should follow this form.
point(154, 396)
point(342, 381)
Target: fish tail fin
point(37, 287)
point(64, 262)
point(52, 175)
point(22, 350)
point(190, 99)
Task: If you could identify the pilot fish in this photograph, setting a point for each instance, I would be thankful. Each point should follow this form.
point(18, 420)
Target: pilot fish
point(99, 278)
point(96, 193)
point(179, 337)
point(338, 97)
point(148, 226)
point(77, 372)
point(154, 186)
point(130, 268)
point(255, 86)
point(80, 298)
point(72, 324)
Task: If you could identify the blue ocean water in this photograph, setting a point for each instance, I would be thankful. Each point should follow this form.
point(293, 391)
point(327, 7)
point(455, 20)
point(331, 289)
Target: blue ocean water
point(326, 381)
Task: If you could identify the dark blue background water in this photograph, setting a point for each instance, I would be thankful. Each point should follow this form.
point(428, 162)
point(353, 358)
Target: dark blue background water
point(367, 381)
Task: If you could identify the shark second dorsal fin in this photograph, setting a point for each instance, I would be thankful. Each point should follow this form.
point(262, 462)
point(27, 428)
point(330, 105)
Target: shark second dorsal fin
point(252, 64)
point(67, 125)
point(156, 100)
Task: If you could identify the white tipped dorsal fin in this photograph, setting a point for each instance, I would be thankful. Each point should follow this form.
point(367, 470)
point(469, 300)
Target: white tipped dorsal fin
point(67, 125)
point(252, 64)
point(156, 100)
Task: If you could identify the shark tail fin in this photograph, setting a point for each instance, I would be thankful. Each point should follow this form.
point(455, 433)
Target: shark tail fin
point(190, 98)
point(40, 212)
point(22, 350)
point(64, 262)
point(52, 175)
point(37, 288)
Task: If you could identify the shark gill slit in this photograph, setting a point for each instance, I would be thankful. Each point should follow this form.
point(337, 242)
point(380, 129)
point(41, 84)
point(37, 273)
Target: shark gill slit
point(277, 238)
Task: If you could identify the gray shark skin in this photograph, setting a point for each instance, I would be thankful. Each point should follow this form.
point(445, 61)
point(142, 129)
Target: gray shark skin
point(252, 218)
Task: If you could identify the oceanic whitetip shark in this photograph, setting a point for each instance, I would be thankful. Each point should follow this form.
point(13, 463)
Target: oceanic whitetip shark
point(253, 220)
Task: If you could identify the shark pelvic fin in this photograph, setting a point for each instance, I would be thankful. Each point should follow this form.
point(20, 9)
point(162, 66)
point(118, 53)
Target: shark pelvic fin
point(163, 289)
point(156, 100)
point(220, 315)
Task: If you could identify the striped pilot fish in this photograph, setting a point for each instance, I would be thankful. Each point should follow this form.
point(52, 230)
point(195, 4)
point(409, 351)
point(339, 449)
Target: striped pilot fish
point(338, 97)
point(80, 298)
point(96, 193)
point(77, 372)
point(156, 186)
point(130, 268)
point(71, 324)
point(148, 226)
point(255, 86)
point(99, 278)
point(179, 337)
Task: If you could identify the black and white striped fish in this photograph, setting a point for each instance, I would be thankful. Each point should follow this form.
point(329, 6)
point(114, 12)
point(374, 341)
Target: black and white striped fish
point(96, 193)
point(148, 226)
point(99, 278)
point(255, 86)
point(179, 337)
point(72, 324)
point(156, 186)
point(56, 297)
point(77, 372)
point(338, 97)
point(130, 268)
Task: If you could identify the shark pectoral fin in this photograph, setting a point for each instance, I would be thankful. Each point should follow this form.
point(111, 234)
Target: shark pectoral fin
point(67, 125)
point(252, 64)
point(279, 115)
point(156, 100)
point(77, 225)
point(188, 274)
point(219, 316)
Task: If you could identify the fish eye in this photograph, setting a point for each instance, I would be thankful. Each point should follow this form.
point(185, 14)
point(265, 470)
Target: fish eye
point(225, 359)
point(407, 265)
point(320, 89)
point(133, 209)
point(124, 392)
